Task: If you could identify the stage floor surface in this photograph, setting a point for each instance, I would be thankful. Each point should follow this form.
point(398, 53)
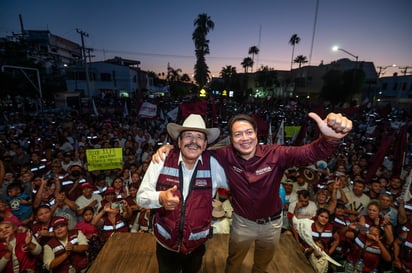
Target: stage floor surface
point(135, 253)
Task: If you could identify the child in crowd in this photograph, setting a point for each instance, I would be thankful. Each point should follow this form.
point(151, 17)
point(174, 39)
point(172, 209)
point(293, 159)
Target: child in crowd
point(88, 228)
point(19, 202)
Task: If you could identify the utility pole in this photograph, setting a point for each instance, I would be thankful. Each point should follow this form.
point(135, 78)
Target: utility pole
point(86, 68)
point(404, 69)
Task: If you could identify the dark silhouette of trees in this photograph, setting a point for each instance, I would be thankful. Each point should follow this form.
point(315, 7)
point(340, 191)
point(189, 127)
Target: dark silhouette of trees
point(294, 40)
point(300, 59)
point(254, 50)
point(203, 25)
point(247, 63)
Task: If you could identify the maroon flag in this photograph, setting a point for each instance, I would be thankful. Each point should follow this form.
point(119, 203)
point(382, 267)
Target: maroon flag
point(262, 125)
point(376, 160)
point(400, 150)
point(302, 133)
point(193, 107)
point(214, 112)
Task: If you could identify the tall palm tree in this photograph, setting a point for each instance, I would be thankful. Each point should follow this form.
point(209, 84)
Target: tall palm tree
point(247, 62)
point(294, 40)
point(203, 24)
point(300, 59)
point(253, 50)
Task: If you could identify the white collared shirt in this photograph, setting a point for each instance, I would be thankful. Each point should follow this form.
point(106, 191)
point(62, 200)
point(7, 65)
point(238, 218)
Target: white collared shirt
point(148, 197)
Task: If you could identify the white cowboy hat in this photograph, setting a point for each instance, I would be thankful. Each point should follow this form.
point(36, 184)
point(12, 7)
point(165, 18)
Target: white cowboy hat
point(193, 123)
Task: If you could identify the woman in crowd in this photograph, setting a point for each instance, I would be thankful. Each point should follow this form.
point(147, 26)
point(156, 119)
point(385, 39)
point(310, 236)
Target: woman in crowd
point(65, 252)
point(373, 218)
point(17, 249)
point(324, 236)
point(369, 248)
point(113, 218)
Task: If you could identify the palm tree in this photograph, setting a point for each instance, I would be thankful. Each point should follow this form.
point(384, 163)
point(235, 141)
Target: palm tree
point(247, 62)
point(203, 25)
point(300, 59)
point(254, 50)
point(294, 40)
point(173, 75)
point(228, 72)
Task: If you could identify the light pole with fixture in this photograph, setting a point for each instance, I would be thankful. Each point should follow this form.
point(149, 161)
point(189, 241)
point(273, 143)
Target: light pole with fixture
point(382, 68)
point(336, 48)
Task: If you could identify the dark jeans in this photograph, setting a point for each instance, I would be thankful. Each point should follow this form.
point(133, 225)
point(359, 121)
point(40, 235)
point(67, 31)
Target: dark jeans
point(173, 262)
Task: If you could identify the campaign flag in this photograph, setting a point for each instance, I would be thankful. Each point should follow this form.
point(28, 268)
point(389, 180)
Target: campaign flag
point(193, 107)
point(96, 113)
point(125, 110)
point(400, 150)
point(300, 138)
point(173, 113)
point(270, 136)
point(376, 160)
point(262, 125)
point(280, 137)
point(147, 110)
point(214, 112)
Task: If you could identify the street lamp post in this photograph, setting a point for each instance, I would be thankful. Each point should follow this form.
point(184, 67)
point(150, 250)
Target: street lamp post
point(383, 68)
point(336, 48)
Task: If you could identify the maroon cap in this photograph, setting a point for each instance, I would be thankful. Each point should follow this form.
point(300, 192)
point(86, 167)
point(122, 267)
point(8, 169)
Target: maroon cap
point(109, 190)
point(87, 185)
point(59, 221)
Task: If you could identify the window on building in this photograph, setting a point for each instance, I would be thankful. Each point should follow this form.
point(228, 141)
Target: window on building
point(105, 77)
point(395, 86)
point(404, 86)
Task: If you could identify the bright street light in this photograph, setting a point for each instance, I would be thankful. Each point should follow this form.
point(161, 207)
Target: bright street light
point(336, 48)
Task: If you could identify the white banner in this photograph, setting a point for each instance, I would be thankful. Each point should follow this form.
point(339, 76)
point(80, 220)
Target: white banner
point(148, 110)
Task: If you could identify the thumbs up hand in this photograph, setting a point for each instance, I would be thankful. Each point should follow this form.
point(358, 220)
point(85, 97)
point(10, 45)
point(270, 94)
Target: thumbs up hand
point(169, 198)
point(334, 126)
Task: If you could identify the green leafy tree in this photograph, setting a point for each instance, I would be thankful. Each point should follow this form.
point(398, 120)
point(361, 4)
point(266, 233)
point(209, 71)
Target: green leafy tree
point(203, 24)
point(293, 41)
point(253, 50)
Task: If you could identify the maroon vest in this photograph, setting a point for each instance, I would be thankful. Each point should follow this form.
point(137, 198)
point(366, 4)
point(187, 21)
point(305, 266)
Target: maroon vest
point(406, 248)
point(26, 259)
point(77, 260)
point(188, 226)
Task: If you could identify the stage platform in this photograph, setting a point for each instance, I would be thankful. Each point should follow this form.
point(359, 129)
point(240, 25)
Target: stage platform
point(135, 253)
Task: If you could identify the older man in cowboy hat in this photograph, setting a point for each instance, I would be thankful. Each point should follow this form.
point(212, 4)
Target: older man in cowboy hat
point(182, 188)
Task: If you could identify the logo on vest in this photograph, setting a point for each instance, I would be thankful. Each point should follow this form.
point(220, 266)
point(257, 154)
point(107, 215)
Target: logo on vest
point(264, 170)
point(201, 182)
point(236, 169)
point(173, 180)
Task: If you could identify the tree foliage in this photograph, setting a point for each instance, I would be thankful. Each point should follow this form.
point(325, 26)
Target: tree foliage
point(293, 41)
point(300, 59)
point(253, 50)
point(203, 24)
point(247, 63)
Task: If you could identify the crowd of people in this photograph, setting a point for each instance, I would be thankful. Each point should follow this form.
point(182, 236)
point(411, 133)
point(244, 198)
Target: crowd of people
point(62, 214)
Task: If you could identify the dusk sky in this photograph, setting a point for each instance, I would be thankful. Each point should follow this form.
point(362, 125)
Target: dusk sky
point(160, 32)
